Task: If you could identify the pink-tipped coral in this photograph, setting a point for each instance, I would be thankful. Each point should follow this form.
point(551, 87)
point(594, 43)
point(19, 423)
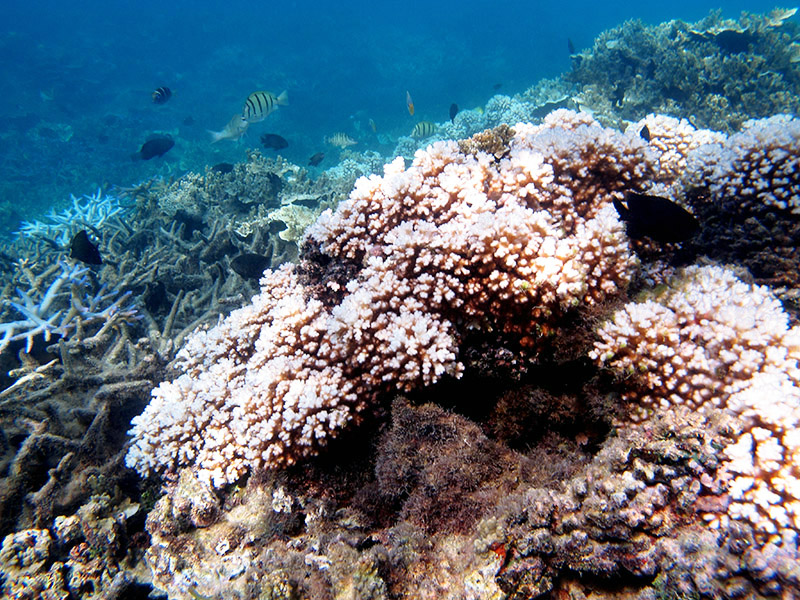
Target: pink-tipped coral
point(508, 239)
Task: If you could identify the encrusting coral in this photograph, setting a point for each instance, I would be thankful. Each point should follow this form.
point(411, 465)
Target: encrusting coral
point(509, 241)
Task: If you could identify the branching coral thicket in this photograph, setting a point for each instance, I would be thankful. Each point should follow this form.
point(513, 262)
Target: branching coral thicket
point(511, 241)
point(712, 342)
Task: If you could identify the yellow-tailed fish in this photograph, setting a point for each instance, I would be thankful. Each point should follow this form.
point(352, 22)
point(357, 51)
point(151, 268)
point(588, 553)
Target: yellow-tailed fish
point(259, 105)
point(234, 130)
point(423, 129)
point(372, 126)
point(342, 140)
point(409, 103)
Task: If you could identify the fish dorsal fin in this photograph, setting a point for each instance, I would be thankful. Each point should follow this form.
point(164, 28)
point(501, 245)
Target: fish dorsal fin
point(622, 210)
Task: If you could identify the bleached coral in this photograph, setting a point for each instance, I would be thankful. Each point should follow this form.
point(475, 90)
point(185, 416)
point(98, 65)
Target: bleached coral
point(504, 109)
point(459, 239)
point(513, 241)
point(94, 211)
point(672, 139)
point(465, 124)
point(759, 165)
point(712, 342)
point(271, 382)
point(68, 303)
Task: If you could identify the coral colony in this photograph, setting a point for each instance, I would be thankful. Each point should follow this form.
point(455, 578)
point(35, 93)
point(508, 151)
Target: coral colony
point(461, 238)
point(65, 305)
point(506, 234)
point(94, 211)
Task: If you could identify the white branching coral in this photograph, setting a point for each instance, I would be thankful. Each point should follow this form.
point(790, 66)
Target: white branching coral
point(760, 164)
point(672, 139)
point(509, 239)
point(514, 241)
point(712, 342)
point(270, 383)
point(94, 211)
point(68, 304)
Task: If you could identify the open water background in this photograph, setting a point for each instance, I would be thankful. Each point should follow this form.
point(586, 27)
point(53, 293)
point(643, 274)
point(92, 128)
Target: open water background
point(77, 77)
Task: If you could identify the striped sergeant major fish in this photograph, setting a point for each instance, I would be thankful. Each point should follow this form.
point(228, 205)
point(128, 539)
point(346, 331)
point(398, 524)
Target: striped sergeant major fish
point(342, 140)
point(259, 105)
point(423, 129)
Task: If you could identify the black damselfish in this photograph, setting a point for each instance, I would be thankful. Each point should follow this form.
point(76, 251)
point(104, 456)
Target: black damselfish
point(655, 217)
point(81, 248)
point(157, 145)
point(453, 112)
point(274, 141)
point(250, 266)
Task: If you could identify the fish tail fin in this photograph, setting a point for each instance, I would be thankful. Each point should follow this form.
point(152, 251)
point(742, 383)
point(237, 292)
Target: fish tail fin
point(283, 99)
point(216, 135)
point(136, 156)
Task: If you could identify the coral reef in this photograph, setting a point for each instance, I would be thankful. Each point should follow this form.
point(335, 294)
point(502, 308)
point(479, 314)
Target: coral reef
point(79, 366)
point(573, 425)
point(711, 342)
point(717, 73)
point(510, 241)
point(438, 510)
point(486, 257)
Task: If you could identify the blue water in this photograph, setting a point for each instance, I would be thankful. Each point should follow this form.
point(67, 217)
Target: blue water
point(77, 81)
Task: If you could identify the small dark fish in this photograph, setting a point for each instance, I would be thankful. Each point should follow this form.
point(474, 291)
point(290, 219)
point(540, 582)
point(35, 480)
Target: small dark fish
point(81, 248)
point(618, 95)
point(189, 121)
point(222, 167)
point(655, 217)
point(188, 223)
point(274, 141)
point(250, 266)
point(497, 86)
point(155, 297)
point(644, 133)
point(453, 112)
point(570, 47)
point(158, 145)
point(161, 95)
point(316, 159)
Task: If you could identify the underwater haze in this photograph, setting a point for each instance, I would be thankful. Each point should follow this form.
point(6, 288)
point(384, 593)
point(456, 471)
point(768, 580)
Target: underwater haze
point(78, 78)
